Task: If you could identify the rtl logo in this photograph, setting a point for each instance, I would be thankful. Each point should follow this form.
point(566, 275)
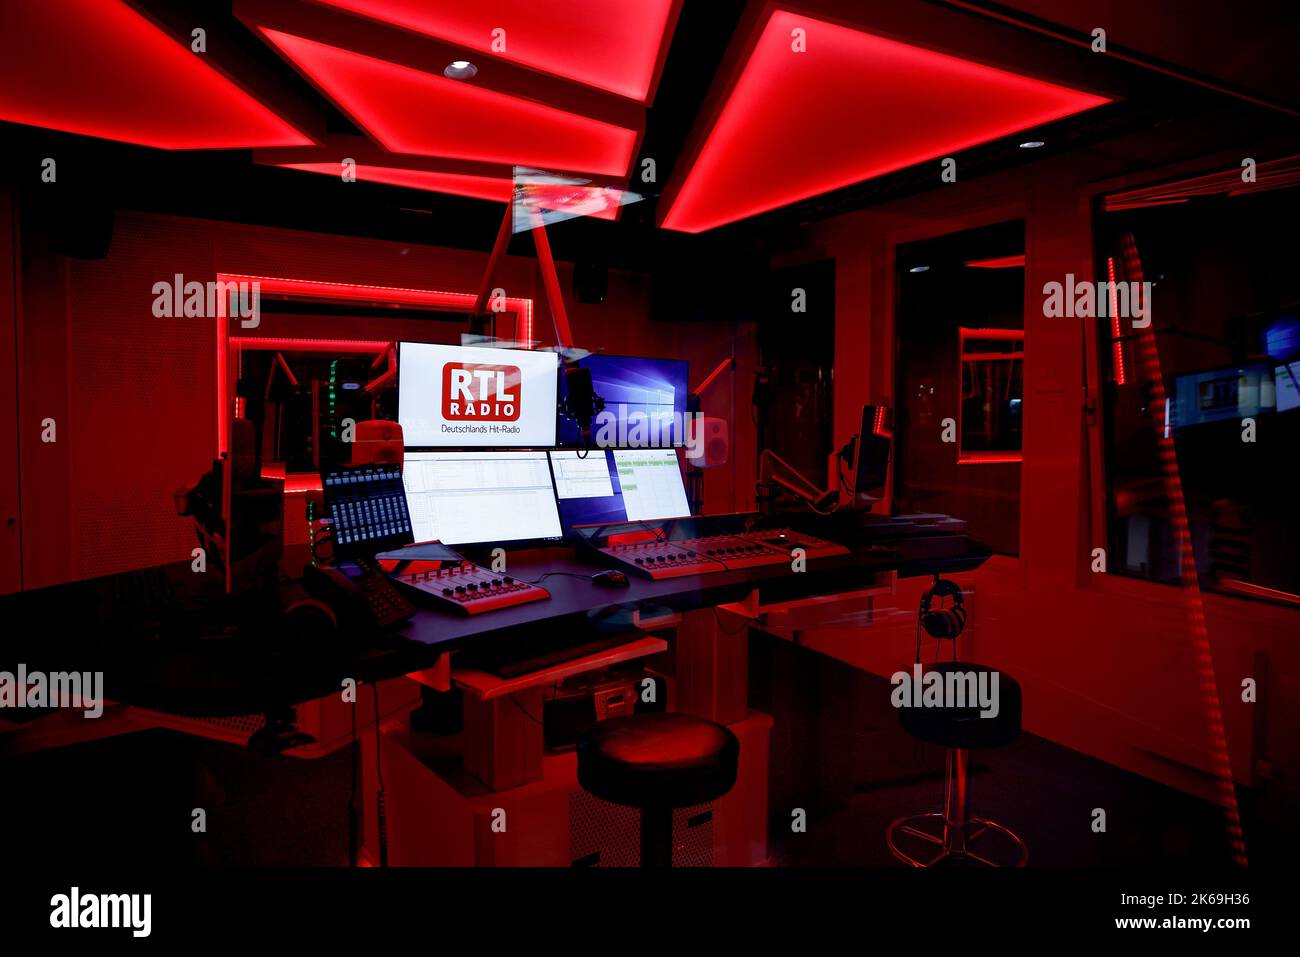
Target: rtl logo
point(476, 392)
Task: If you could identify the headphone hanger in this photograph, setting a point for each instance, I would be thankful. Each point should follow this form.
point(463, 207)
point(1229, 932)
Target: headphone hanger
point(944, 623)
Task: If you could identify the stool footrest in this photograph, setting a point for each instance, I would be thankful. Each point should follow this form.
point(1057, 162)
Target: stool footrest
point(981, 842)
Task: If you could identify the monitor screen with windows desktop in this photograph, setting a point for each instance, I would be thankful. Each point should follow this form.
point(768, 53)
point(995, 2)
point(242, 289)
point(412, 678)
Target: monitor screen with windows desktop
point(473, 497)
point(649, 395)
point(618, 485)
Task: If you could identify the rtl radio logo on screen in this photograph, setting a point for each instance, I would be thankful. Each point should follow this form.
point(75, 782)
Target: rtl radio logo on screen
point(477, 392)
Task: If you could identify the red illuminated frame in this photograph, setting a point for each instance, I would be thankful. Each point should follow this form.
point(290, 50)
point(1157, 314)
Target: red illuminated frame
point(617, 47)
point(492, 182)
point(996, 335)
point(389, 81)
point(496, 190)
point(229, 347)
point(854, 105)
point(998, 262)
point(107, 70)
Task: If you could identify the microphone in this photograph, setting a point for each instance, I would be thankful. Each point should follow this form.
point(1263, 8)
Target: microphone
point(581, 402)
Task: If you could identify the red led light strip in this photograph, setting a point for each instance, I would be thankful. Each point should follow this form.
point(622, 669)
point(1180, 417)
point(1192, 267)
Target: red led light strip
point(610, 46)
point(412, 111)
point(309, 288)
point(1209, 687)
point(293, 484)
point(101, 68)
point(908, 105)
point(998, 262)
point(498, 190)
point(1116, 343)
point(878, 423)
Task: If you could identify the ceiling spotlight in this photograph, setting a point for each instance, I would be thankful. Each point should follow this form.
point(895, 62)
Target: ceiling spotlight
point(1032, 144)
point(919, 269)
point(460, 70)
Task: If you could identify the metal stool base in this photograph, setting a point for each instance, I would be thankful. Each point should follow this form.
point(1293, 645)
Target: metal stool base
point(949, 848)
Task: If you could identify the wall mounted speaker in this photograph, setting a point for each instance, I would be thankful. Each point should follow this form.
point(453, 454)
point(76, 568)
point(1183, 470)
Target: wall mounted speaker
point(709, 440)
point(377, 441)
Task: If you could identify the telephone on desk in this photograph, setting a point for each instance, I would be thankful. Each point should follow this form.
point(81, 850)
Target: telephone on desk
point(367, 597)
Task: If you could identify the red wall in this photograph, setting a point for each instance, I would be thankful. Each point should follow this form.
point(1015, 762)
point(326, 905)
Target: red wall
point(133, 396)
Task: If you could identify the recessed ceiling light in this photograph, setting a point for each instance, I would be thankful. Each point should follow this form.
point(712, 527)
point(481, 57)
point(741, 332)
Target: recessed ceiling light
point(919, 269)
point(460, 70)
point(1032, 144)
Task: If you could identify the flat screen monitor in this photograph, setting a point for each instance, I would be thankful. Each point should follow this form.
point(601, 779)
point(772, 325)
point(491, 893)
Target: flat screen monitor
point(1218, 395)
point(646, 401)
point(474, 497)
point(618, 485)
point(871, 455)
point(367, 505)
point(468, 396)
point(1287, 386)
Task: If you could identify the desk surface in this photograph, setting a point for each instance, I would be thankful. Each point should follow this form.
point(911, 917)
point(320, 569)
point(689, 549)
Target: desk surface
point(156, 634)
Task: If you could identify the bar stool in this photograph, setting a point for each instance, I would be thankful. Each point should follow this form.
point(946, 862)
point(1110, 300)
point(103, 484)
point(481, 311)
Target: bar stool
point(952, 836)
point(657, 762)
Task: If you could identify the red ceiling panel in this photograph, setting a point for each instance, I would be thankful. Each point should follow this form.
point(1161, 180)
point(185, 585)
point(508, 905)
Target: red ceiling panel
point(410, 111)
point(99, 68)
point(851, 107)
point(612, 46)
point(458, 184)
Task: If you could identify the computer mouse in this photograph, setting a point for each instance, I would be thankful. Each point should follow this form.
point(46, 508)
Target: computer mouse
point(610, 579)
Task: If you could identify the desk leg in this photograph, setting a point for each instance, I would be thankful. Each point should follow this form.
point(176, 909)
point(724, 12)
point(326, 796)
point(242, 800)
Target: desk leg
point(712, 665)
point(503, 739)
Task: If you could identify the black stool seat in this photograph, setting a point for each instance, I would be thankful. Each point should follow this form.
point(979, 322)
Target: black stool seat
point(658, 760)
point(952, 836)
point(964, 728)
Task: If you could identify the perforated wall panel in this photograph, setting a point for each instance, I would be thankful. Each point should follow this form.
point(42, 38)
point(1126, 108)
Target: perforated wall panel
point(142, 420)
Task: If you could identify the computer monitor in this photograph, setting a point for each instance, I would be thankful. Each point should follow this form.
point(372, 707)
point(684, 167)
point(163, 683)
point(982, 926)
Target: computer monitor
point(468, 396)
point(870, 465)
point(474, 497)
point(1219, 395)
point(587, 487)
point(618, 485)
point(367, 505)
point(645, 401)
point(1287, 386)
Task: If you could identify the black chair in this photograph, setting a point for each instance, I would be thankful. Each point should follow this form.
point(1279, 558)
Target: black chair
point(657, 762)
point(952, 836)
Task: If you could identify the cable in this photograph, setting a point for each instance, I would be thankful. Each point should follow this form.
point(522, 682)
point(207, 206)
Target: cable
point(538, 581)
point(324, 533)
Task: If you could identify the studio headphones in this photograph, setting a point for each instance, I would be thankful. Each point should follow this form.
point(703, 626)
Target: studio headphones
point(942, 622)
